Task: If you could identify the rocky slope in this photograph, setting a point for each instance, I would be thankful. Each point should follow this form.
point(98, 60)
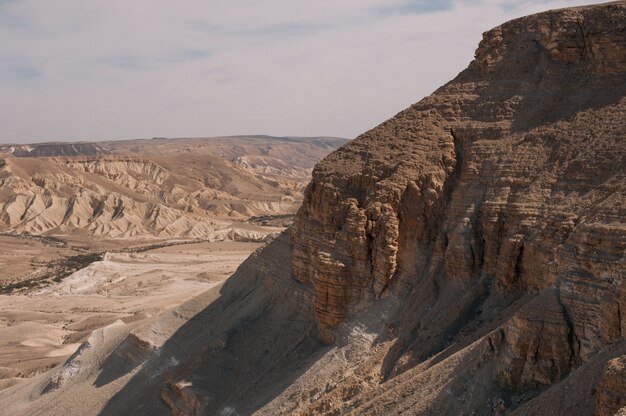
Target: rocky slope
point(153, 188)
point(466, 257)
point(502, 192)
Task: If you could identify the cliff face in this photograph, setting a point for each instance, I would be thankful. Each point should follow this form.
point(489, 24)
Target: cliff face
point(505, 190)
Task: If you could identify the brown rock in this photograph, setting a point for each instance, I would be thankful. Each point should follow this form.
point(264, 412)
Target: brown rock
point(146, 189)
point(611, 392)
point(183, 399)
point(536, 347)
point(506, 176)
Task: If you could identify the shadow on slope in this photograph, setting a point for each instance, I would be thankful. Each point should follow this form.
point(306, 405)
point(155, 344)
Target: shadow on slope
point(233, 356)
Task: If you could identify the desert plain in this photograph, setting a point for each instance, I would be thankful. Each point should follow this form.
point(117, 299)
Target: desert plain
point(41, 328)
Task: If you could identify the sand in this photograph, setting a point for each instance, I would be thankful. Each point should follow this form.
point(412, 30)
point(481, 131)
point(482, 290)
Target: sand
point(43, 327)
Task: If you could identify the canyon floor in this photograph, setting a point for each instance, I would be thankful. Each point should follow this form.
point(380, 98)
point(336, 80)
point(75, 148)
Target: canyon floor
point(41, 327)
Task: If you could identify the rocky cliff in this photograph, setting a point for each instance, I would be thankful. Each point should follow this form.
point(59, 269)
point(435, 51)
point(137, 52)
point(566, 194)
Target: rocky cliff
point(504, 190)
point(466, 257)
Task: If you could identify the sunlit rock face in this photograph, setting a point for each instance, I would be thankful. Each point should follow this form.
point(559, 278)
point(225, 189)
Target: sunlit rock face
point(508, 181)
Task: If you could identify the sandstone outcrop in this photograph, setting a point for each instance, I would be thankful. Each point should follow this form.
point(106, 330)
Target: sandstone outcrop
point(505, 187)
point(507, 176)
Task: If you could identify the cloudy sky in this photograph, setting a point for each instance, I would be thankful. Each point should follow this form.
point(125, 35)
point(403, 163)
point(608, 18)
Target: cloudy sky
point(118, 69)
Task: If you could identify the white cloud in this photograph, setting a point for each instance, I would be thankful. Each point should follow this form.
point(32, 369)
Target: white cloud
point(76, 69)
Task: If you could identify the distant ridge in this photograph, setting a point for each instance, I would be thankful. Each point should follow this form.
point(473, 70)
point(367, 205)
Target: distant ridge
point(187, 187)
point(88, 148)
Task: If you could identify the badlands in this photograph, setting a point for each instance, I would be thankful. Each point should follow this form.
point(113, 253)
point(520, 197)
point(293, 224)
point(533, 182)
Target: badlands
point(115, 233)
point(465, 257)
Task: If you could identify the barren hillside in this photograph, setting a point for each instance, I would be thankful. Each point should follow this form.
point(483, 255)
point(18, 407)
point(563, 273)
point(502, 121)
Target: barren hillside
point(153, 188)
point(466, 257)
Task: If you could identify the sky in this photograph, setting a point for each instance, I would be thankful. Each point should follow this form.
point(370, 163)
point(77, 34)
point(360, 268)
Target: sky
point(94, 70)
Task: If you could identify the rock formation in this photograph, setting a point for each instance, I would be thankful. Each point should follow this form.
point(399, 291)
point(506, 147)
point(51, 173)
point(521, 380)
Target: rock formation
point(507, 183)
point(466, 257)
point(611, 394)
point(145, 189)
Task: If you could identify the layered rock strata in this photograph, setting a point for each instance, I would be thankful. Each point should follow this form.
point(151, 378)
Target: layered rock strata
point(161, 188)
point(508, 182)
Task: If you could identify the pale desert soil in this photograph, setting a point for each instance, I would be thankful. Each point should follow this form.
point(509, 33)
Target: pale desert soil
point(41, 328)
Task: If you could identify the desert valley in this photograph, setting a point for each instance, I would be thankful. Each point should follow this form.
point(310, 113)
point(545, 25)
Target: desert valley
point(115, 233)
point(465, 257)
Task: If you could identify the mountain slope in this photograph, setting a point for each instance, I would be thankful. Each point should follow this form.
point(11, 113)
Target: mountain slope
point(467, 256)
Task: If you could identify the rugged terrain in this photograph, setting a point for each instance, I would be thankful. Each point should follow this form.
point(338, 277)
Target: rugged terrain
point(93, 233)
point(466, 257)
point(160, 188)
